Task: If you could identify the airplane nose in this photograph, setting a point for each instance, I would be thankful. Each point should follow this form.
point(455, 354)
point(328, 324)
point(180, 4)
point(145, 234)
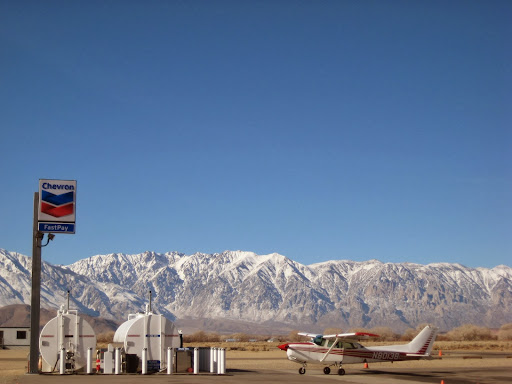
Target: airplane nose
point(283, 347)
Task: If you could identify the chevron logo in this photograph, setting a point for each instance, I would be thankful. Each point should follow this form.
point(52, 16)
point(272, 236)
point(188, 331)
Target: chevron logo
point(57, 205)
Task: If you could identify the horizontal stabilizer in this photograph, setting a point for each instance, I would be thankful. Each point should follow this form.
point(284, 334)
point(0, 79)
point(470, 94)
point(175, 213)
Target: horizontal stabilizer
point(428, 357)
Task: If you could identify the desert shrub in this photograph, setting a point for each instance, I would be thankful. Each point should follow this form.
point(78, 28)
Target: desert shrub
point(442, 337)
point(105, 338)
point(411, 333)
point(469, 332)
point(505, 332)
point(408, 335)
point(240, 337)
point(213, 337)
point(294, 336)
point(332, 331)
point(385, 333)
point(201, 336)
point(195, 337)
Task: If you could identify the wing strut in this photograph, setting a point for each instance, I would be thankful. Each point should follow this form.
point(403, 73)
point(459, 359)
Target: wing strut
point(329, 351)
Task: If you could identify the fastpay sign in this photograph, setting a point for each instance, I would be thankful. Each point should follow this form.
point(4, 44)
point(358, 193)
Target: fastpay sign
point(57, 206)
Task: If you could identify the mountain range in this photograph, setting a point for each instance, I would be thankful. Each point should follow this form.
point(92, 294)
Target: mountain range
point(224, 291)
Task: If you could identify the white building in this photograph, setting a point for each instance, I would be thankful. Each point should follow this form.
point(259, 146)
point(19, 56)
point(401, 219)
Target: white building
point(14, 337)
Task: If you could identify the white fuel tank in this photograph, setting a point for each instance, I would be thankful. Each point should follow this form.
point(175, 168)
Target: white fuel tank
point(68, 331)
point(147, 330)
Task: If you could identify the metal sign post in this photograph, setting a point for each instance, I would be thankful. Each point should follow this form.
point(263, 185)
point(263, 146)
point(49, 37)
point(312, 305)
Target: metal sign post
point(35, 298)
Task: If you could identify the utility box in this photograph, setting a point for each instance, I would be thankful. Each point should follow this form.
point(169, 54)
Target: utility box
point(184, 360)
point(132, 363)
point(108, 363)
point(107, 360)
point(153, 365)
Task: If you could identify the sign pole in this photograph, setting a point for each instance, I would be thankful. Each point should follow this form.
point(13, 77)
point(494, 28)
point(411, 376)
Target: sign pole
point(35, 299)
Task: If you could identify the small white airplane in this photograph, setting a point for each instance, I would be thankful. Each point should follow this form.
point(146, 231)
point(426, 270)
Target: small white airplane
point(345, 349)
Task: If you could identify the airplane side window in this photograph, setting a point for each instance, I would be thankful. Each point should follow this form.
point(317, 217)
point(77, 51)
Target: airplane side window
point(349, 346)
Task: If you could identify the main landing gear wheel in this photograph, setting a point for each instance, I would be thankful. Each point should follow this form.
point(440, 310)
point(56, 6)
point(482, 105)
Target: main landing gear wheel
point(302, 370)
point(327, 370)
point(341, 371)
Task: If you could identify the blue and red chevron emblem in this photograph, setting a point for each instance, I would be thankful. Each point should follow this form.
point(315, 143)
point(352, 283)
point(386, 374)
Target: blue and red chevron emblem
point(57, 205)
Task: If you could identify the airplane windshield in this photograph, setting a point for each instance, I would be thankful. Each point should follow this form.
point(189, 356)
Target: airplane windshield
point(340, 344)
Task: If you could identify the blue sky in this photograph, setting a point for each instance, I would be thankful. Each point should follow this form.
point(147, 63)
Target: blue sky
point(320, 130)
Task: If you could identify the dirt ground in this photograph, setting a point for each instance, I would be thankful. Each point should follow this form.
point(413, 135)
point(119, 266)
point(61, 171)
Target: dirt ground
point(13, 363)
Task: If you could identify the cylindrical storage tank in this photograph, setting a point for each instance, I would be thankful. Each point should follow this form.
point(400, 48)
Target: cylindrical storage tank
point(68, 331)
point(147, 330)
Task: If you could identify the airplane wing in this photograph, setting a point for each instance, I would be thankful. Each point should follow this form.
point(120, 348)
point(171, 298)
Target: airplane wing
point(342, 336)
point(309, 334)
point(351, 336)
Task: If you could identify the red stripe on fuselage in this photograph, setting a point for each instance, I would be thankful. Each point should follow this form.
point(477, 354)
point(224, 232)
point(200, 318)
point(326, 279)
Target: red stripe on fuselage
point(357, 353)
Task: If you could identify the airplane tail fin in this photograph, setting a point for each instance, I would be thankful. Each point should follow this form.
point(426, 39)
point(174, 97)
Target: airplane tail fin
point(423, 343)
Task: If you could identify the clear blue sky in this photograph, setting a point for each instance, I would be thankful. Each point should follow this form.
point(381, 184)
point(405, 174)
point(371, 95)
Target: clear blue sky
point(316, 129)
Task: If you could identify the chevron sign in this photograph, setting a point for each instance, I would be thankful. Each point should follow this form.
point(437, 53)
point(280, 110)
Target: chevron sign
point(57, 204)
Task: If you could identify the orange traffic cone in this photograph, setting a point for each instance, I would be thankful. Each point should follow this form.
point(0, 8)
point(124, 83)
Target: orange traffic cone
point(440, 353)
point(442, 381)
point(366, 365)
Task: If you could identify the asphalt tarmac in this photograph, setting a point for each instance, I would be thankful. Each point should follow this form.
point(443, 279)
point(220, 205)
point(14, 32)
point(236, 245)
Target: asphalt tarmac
point(456, 375)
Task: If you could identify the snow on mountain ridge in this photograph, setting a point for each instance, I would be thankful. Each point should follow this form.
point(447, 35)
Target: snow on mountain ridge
point(246, 286)
point(88, 296)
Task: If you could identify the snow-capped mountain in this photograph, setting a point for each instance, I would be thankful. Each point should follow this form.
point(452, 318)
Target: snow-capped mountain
point(270, 288)
point(94, 298)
